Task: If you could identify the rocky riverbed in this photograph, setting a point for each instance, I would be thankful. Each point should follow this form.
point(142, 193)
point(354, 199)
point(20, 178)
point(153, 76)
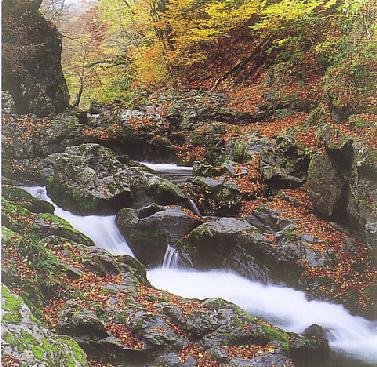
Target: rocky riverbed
point(259, 204)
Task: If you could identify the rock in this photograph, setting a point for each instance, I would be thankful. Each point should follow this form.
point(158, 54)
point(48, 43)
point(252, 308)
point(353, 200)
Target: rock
point(342, 185)
point(284, 166)
point(7, 103)
point(226, 243)
point(101, 262)
point(28, 201)
point(42, 224)
point(27, 137)
point(77, 321)
point(26, 342)
point(90, 178)
point(325, 185)
point(266, 360)
point(155, 332)
point(268, 220)
point(216, 196)
point(32, 71)
point(150, 230)
point(313, 342)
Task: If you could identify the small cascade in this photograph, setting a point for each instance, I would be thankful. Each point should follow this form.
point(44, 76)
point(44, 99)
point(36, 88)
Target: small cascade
point(171, 258)
point(100, 228)
point(194, 207)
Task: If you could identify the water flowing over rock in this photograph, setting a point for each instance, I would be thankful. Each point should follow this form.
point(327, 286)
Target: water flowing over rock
point(32, 71)
point(90, 178)
point(149, 231)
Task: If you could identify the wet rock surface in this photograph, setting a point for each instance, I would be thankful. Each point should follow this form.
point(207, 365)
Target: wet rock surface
point(150, 230)
point(113, 313)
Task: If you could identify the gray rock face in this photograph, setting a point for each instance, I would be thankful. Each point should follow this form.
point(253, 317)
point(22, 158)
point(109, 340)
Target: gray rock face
point(89, 178)
point(28, 343)
point(217, 196)
point(325, 185)
point(226, 243)
point(150, 230)
point(343, 186)
point(32, 71)
point(268, 250)
point(284, 166)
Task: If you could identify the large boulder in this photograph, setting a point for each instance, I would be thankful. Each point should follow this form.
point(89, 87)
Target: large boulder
point(227, 243)
point(25, 342)
point(269, 250)
point(342, 183)
point(285, 165)
point(90, 178)
point(150, 230)
point(32, 71)
point(215, 196)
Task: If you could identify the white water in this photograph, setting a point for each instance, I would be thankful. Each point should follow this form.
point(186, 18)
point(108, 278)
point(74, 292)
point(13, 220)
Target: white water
point(286, 307)
point(166, 167)
point(100, 228)
point(194, 207)
point(171, 258)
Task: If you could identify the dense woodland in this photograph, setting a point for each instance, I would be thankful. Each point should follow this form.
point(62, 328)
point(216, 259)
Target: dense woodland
point(165, 139)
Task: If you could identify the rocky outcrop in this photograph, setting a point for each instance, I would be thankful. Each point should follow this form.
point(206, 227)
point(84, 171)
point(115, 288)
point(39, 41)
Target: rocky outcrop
point(89, 178)
point(284, 165)
point(264, 256)
point(25, 342)
point(150, 230)
point(106, 304)
point(342, 185)
point(32, 71)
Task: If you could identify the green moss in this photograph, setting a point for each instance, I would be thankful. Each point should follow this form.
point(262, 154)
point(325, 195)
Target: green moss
point(239, 151)
point(12, 307)
point(276, 334)
point(26, 200)
point(78, 354)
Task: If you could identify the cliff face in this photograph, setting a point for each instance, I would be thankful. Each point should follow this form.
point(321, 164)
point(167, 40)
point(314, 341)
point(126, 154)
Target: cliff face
point(32, 71)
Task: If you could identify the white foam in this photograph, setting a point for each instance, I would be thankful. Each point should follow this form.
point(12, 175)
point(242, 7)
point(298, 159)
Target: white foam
point(287, 307)
point(100, 228)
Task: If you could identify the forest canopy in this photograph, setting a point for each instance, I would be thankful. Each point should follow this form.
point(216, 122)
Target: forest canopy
point(118, 48)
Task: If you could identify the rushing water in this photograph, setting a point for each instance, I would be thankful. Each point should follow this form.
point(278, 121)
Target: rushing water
point(171, 171)
point(171, 258)
point(100, 228)
point(285, 307)
point(351, 336)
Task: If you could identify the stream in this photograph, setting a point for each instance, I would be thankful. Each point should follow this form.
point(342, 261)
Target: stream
point(353, 339)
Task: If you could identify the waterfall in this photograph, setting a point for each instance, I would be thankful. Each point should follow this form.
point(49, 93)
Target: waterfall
point(287, 308)
point(194, 207)
point(171, 258)
point(100, 228)
point(352, 336)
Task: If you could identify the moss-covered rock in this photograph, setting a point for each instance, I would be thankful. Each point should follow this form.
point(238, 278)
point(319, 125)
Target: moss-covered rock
point(150, 230)
point(29, 343)
point(28, 201)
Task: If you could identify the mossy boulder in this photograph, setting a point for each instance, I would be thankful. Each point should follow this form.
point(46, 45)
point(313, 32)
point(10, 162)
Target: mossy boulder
point(150, 230)
point(28, 343)
point(90, 178)
point(28, 201)
point(20, 219)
